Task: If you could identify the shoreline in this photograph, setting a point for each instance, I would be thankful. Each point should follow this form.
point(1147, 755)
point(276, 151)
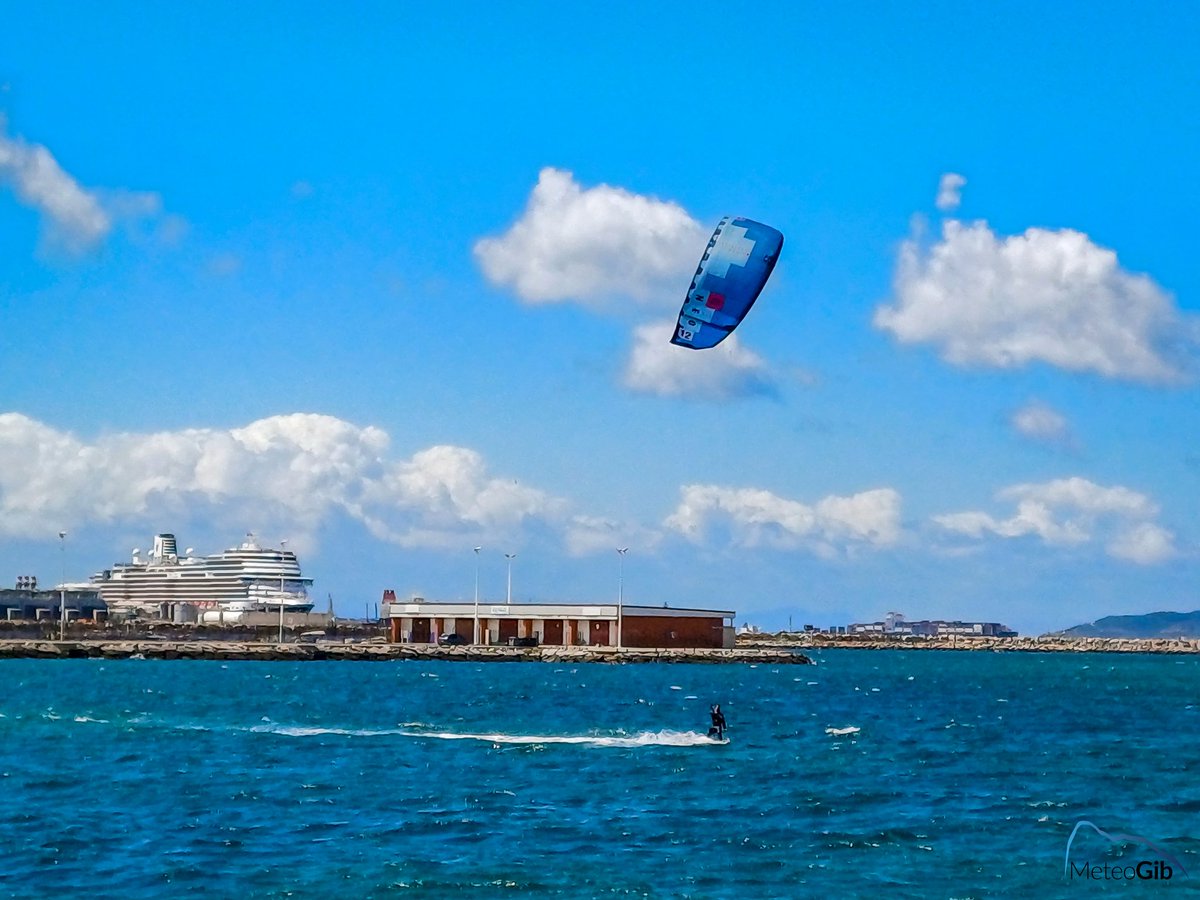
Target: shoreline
point(381, 652)
point(1041, 644)
point(768, 649)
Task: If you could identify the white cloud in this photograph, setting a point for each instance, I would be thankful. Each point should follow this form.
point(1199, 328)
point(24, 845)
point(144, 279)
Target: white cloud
point(949, 194)
point(1144, 544)
point(1073, 511)
point(593, 244)
point(290, 471)
point(74, 216)
point(1042, 296)
point(600, 244)
point(758, 517)
point(656, 366)
point(1039, 422)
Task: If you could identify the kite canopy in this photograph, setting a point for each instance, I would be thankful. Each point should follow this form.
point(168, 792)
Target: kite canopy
point(740, 256)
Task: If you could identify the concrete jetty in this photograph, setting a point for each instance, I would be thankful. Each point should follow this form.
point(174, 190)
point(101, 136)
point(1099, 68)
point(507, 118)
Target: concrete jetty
point(368, 651)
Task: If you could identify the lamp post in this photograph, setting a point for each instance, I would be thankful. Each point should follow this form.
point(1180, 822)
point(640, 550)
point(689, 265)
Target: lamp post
point(475, 639)
point(510, 557)
point(62, 599)
point(283, 550)
point(621, 551)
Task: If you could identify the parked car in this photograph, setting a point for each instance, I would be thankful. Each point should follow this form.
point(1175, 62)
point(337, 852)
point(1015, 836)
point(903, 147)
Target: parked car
point(523, 642)
point(452, 640)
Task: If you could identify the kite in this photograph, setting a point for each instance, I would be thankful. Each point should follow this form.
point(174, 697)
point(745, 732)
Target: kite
point(737, 263)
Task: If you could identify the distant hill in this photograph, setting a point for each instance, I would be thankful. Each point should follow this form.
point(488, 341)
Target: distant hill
point(1150, 625)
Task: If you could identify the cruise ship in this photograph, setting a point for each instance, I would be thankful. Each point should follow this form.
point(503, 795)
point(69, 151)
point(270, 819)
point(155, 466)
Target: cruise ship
point(246, 578)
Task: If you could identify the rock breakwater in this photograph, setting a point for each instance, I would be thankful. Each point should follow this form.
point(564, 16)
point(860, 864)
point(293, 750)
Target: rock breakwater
point(329, 650)
point(1041, 644)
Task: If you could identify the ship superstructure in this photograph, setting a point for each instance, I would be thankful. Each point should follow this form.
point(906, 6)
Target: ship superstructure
point(248, 577)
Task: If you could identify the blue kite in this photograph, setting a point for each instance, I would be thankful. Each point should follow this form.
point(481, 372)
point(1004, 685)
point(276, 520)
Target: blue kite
point(740, 257)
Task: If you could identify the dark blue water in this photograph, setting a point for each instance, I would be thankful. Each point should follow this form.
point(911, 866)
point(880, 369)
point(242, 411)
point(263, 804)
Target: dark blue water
point(965, 777)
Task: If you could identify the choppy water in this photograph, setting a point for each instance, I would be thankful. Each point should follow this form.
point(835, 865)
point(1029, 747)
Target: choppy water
point(934, 774)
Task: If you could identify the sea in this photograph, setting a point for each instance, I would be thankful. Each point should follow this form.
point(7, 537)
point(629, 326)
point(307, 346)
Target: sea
point(872, 773)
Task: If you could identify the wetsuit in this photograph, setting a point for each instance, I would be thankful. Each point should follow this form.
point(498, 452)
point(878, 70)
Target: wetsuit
point(718, 723)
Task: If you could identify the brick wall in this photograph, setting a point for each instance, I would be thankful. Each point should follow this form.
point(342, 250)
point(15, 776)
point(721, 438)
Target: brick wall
point(672, 631)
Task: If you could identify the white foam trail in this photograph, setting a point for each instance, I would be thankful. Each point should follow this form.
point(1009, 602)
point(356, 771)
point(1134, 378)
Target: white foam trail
point(664, 738)
point(852, 729)
point(641, 739)
point(312, 731)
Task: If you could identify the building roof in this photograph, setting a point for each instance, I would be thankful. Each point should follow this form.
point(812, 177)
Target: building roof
point(422, 608)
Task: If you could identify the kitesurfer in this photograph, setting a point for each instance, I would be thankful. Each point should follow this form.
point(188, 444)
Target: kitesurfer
point(717, 729)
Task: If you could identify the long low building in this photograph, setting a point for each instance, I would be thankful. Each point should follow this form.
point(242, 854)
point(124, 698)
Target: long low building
point(27, 602)
point(419, 621)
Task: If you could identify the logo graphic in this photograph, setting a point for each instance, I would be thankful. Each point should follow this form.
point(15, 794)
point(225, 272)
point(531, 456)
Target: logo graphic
point(1161, 869)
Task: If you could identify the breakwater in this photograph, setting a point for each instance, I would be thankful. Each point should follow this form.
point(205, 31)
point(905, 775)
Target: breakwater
point(370, 651)
point(1041, 644)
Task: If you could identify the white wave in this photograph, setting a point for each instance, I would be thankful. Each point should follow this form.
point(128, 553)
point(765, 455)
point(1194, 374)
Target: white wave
point(90, 719)
point(850, 729)
point(312, 731)
point(664, 738)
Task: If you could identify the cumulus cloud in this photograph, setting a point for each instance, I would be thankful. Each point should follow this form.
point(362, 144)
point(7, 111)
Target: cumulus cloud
point(758, 517)
point(591, 244)
point(949, 194)
point(1039, 422)
point(595, 245)
point(1073, 511)
point(290, 471)
point(1043, 296)
point(656, 366)
point(74, 216)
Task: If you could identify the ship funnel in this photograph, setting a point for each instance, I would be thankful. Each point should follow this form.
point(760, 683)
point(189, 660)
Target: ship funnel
point(165, 547)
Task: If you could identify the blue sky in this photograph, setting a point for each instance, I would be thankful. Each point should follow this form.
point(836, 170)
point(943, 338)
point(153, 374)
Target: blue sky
point(392, 282)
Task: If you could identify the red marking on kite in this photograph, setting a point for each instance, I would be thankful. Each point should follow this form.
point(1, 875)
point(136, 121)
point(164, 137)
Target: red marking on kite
point(715, 301)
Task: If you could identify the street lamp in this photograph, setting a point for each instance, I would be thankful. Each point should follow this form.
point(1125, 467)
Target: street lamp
point(621, 551)
point(510, 557)
point(282, 551)
point(475, 640)
point(62, 601)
